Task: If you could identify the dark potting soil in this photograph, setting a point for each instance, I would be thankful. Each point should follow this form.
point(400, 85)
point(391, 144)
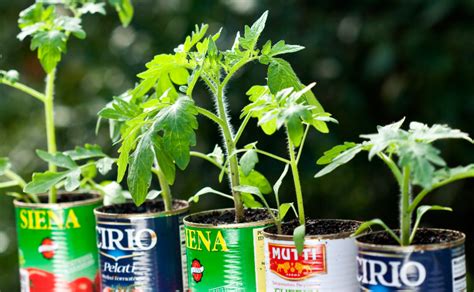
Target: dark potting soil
point(423, 236)
point(318, 227)
point(152, 206)
point(69, 197)
point(228, 217)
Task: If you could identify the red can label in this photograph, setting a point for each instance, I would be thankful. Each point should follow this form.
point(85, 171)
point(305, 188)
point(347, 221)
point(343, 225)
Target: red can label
point(286, 263)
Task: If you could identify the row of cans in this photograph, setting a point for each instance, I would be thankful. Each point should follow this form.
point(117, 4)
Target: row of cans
point(64, 247)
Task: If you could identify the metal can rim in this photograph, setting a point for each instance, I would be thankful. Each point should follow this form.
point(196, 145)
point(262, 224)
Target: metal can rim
point(339, 235)
point(96, 199)
point(179, 211)
point(416, 247)
point(224, 226)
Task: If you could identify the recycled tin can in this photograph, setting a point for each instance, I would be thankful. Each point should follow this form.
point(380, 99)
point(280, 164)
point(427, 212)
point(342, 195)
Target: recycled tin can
point(327, 262)
point(56, 242)
point(429, 267)
point(225, 257)
point(142, 251)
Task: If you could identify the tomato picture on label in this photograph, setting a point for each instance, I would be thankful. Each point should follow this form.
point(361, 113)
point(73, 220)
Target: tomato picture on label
point(47, 248)
point(197, 270)
point(40, 280)
point(82, 284)
point(97, 283)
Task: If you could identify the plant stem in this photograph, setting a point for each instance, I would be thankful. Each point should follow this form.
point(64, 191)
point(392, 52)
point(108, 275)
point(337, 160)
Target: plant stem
point(230, 148)
point(207, 158)
point(405, 215)
point(241, 128)
point(16, 178)
point(50, 128)
point(26, 89)
point(296, 180)
point(165, 189)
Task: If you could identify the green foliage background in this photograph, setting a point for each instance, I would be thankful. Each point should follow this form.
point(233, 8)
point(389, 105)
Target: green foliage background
point(374, 61)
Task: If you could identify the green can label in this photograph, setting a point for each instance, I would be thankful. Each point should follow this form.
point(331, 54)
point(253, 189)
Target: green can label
point(225, 259)
point(57, 247)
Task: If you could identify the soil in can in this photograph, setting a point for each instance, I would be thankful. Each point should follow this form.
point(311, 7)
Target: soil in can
point(223, 255)
point(142, 248)
point(434, 262)
point(57, 249)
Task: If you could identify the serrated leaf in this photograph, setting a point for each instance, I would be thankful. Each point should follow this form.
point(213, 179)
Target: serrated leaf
point(282, 48)
point(104, 165)
point(50, 44)
point(256, 179)
point(251, 34)
point(423, 132)
point(72, 180)
point(70, 25)
point(194, 38)
point(113, 194)
point(59, 159)
point(349, 151)
point(298, 237)
point(128, 144)
point(248, 161)
point(281, 75)
point(86, 152)
point(165, 161)
point(89, 171)
point(178, 122)
point(4, 165)
point(92, 8)
point(139, 174)
point(42, 182)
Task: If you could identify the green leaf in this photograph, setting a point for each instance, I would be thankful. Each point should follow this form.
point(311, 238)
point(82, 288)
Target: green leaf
point(332, 153)
point(385, 136)
point(139, 174)
point(349, 151)
point(217, 154)
point(4, 165)
point(421, 159)
point(42, 182)
point(298, 237)
point(129, 142)
point(177, 122)
point(366, 225)
point(10, 75)
point(424, 133)
point(194, 38)
point(124, 9)
point(251, 34)
point(165, 161)
point(73, 179)
point(104, 165)
point(207, 190)
point(59, 159)
point(71, 25)
point(256, 179)
point(50, 44)
point(113, 194)
point(86, 152)
point(282, 48)
point(277, 185)
point(283, 210)
point(419, 214)
point(92, 8)
point(122, 108)
point(89, 171)
point(248, 161)
point(250, 202)
point(281, 75)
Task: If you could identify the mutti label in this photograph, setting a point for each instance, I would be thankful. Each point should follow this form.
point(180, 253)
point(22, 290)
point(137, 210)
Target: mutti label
point(286, 263)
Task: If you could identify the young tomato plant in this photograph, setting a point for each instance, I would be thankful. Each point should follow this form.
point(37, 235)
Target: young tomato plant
point(50, 27)
point(415, 164)
point(156, 120)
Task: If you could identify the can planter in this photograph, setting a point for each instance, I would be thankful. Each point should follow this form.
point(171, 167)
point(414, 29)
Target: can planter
point(432, 266)
point(56, 243)
point(327, 262)
point(142, 247)
point(225, 257)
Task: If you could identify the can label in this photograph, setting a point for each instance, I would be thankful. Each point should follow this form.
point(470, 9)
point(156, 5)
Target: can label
point(225, 259)
point(324, 265)
point(427, 270)
point(141, 253)
point(57, 249)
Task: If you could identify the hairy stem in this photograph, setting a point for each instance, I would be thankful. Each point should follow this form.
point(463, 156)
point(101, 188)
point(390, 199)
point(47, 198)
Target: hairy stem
point(50, 128)
point(26, 89)
point(165, 189)
point(405, 214)
point(296, 180)
point(230, 148)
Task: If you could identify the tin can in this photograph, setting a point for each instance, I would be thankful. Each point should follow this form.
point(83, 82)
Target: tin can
point(430, 267)
point(225, 257)
point(327, 262)
point(56, 242)
point(142, 251)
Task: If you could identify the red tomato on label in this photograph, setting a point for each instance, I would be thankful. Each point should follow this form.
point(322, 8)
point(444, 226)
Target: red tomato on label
point(40, 280)
point(81, 285)
point(97, 283)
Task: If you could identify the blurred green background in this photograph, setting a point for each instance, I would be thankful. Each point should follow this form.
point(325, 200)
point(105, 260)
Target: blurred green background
point(375, 62)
